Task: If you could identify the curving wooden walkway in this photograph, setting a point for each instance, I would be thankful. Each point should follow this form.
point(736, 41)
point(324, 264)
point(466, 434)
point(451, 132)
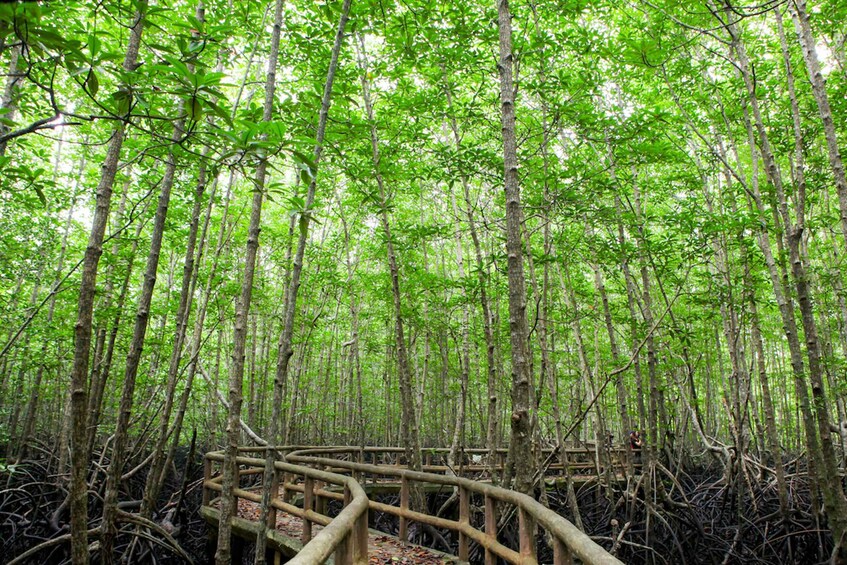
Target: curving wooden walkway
point(320, 510)
point(289, 533)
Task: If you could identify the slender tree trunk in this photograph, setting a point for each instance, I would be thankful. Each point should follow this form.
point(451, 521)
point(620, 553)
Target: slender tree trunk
point(9, 100)
point(136, 346)
point(771, 429)
point(228, 510)
point(102, 368)
point(285, 349)
point(490, 363)
point(82, 330)
point(197, 336)
point(620, 388)
point(810, 56)
point(820, 446)
point(647, 313)
point(409, 424)
point(520, 456)
point(355, 369)
point(632, 304)
point(155, 476)
point(459, 427)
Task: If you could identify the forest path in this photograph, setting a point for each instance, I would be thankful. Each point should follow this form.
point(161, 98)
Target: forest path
point(382, 547)
point(331, 487)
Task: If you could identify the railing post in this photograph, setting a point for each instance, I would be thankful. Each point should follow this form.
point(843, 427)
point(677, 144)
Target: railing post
point(464, 520)
point(287, 493)
point(360, 543)
point(207, 476)
point(320, 501)
point(237, 483)
point(561, 553)
point(308, 503)
point(404, 507)
point(274, 496)
point(526, 525)
point(490, 528)
point(342, 552)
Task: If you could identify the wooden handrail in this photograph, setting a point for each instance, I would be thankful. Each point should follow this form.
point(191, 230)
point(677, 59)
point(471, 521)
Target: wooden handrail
point(569, 541)
point(346, 534)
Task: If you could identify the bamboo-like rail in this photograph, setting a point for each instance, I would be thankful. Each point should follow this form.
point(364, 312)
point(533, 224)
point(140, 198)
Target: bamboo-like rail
point(345, 537)
point(308, 470)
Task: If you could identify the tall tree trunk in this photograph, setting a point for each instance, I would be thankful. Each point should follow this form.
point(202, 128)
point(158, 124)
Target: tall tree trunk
point(459, 426)
point(632, 304)
point(653, 442)
point(103, 360)
point(355, 368)
point(819, 443)
point(82, 329)
point(620, 389)
point(155, 476)
point(810, 56)
point(200, 316)
point(490, 363)
point(409, 424)
point(228, 510)
point(520, 456)
point(285, 349)
point(136, 346)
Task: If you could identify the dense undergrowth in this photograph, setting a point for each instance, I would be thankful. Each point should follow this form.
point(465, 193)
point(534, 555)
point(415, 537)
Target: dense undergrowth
point(692, 516)
point(34, 509)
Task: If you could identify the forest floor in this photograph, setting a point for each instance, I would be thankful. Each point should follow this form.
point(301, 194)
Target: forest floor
point(686, 517)
point(382, 548)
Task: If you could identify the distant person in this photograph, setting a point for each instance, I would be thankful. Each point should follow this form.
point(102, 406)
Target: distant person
point(610, 440)
point(635, 444)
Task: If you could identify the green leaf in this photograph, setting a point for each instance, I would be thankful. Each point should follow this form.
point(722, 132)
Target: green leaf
point(313, 167)
point(122, 98)
point(195, 109)
point(93, 46)
point(91, 83)
point(305, 177)
point(298, 204)
point(40, 194)
point(178, 67)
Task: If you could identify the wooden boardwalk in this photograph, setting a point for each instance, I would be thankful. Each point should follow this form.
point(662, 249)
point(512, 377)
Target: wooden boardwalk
point(383, 549)
point(311, 480)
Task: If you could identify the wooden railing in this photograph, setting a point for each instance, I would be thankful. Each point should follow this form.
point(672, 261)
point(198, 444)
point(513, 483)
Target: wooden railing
point(474, 462)
point(345, 536)
point(567, 540)
point(308, 472)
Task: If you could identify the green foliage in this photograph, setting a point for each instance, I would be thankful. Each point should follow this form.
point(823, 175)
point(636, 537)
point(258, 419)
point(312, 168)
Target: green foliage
point(616, 106)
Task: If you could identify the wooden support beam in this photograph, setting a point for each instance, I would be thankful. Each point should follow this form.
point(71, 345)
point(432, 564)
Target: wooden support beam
point(404, 507)
point(308, 504)
point(464, 518)
point(526, 525)
point(490, 528)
